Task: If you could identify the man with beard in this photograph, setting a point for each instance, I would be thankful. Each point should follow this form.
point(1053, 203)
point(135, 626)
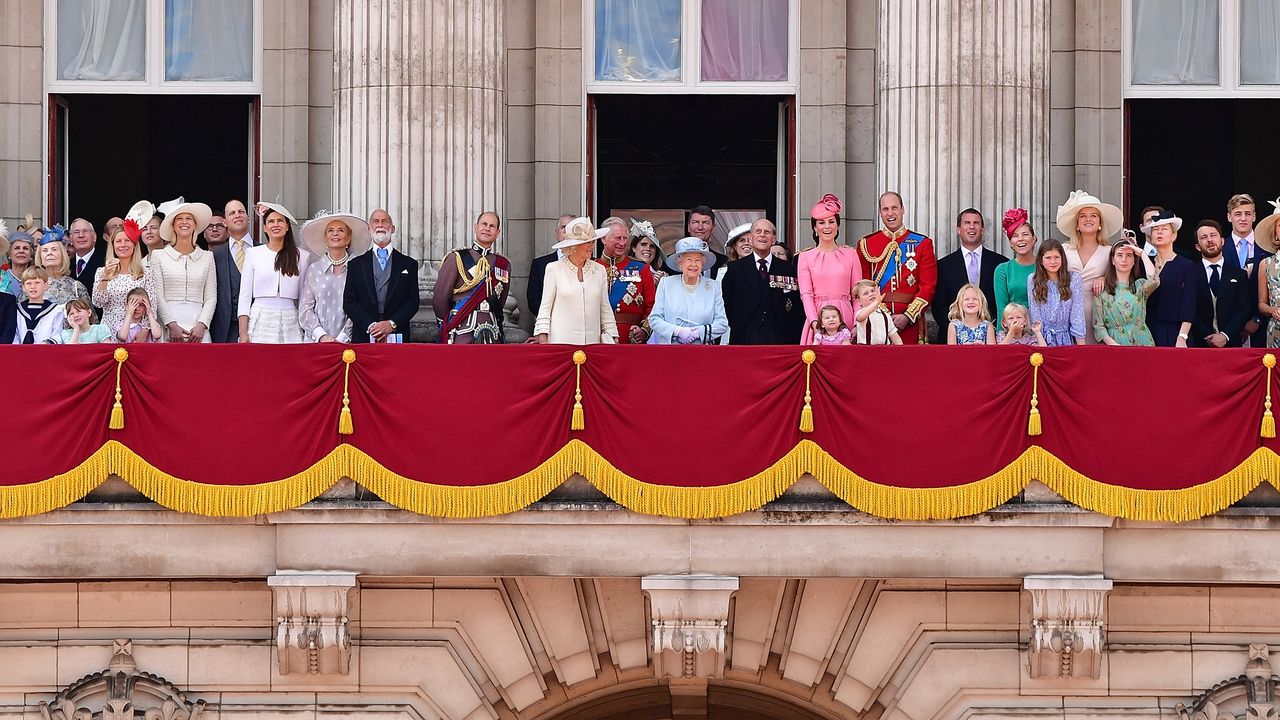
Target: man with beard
point(471, 288)
point(973, 263)
point(1222, 293)
point(381, 294)
point(903, 264)
point(228, 258)
point(632, 289)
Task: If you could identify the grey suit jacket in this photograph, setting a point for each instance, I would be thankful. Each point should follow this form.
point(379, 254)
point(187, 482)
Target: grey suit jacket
point(226, 325)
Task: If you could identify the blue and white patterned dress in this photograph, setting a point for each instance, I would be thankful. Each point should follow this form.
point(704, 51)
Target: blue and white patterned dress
point(1063, 321)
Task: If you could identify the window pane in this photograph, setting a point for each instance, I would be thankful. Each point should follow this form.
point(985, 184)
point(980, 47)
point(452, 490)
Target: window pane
point(745, 40)
point(99, 40)
point(1175, 42)
point(209, 40)
point(1260, 42)
point(638, 40)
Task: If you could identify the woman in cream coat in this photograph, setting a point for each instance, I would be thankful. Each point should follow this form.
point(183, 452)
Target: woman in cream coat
point(575, 306)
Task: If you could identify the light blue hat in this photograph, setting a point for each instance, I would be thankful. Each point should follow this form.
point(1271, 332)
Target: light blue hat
point(687, 245)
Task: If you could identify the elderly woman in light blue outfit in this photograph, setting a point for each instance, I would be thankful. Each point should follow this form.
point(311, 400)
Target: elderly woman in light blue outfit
point(689, 308)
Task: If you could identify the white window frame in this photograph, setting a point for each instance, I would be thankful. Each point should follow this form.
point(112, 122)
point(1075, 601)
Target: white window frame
point(1228, 86)
point(154, 82)
point(690, 60)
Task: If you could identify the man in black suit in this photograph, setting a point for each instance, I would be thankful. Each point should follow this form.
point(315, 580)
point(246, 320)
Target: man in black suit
point(1241, 250)
point(86, 255)
point(8, 317)
point(228, 258)
point(1222, 293)
point(971, 263)
point(381, 296)
point(538, 271)
point(762, 295)
point(701, 223)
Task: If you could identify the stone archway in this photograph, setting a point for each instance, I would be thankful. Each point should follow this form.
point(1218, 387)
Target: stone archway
point(714, 701)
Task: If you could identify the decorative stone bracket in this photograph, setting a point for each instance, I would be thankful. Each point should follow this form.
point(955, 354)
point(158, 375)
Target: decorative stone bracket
point(1067, 619)
point(121, 692)
point(312, 637)
point(690, 614)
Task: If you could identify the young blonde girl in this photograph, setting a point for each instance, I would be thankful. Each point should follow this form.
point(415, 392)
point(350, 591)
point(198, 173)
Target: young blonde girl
point(140, 323)
point(875, 324)
point(829, 328)
point(970, 318)
point(1018, 328)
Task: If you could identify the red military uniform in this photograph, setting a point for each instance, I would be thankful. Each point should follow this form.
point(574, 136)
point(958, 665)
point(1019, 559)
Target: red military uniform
point(632, 291)
point(904, 265)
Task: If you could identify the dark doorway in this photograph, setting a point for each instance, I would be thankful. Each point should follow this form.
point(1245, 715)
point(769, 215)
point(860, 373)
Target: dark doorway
point(1191, 156)
point(113, 150)
point(671, 152)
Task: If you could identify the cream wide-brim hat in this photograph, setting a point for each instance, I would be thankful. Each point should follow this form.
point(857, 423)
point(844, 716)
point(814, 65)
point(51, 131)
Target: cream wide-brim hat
point(1112, 217)
point(1264, 235)
point(580, 231)
point(313, 234)
point(201, 212)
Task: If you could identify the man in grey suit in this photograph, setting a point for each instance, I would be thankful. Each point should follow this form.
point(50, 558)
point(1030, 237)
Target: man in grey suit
point(228, 258)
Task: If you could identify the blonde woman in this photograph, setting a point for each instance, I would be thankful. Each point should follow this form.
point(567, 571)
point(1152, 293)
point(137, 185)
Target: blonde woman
point(53, 257)
point(1088, 224)
point(122, 272)
point(185, 281)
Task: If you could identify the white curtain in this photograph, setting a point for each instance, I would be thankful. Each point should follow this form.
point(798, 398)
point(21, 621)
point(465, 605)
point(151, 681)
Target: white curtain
point(1260, 42)
point(638, 40)
point(102, 39)
point(209, 40)
point(1175, 42)
point(745, 40)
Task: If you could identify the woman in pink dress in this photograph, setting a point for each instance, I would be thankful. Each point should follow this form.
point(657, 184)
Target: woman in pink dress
point(828, 271)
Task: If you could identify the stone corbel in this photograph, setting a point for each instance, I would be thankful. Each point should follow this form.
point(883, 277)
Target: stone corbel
point(312, 637)
point(690, 614)
point(1067, 619)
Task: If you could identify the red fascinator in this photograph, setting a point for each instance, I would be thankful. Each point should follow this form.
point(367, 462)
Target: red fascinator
point(828, 206)
point(132, 230)
point(1013, 220)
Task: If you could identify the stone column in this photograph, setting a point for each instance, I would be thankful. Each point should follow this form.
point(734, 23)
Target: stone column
point(963, 115)
point(419, 117)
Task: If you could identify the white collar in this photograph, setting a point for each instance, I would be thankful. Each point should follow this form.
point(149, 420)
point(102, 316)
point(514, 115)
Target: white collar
point(86, 256)
point(1208, 264)
point(767, 258)
point(246, 239)
point(1235, 239)
point(976, 251)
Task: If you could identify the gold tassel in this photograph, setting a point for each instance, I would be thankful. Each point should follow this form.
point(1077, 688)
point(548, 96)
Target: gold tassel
point(578, 421)
point(117, 411)
point(1268, 420)
point(806, 413)
point(345, 426)
point(1033, 422)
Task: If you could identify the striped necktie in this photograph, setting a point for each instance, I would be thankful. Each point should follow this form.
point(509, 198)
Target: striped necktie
point(240, 255)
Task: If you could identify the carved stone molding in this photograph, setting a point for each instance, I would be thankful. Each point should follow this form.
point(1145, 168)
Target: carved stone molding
point(120, 692)
point(689, 614)
point(1067, 618)
point(1251, 696)
point(312, 637)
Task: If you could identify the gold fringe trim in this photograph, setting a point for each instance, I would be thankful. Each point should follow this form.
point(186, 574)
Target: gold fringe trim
point(577, 457)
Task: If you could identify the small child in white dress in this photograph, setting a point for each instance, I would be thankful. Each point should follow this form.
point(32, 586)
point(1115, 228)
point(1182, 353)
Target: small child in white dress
point(875, 324)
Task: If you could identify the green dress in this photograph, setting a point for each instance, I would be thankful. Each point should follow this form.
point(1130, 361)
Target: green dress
point(1011, 287)
point(1123, 316)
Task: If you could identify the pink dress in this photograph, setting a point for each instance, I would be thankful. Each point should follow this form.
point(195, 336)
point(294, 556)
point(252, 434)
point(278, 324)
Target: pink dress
point(841, 337)
point(827, 278)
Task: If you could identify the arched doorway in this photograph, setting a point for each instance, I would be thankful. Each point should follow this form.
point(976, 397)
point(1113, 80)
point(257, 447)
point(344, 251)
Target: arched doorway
point(719, 700)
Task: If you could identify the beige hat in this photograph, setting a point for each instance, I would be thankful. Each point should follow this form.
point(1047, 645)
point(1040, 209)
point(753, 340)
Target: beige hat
point(1264, 235)
point(1112, 217)
point(313, 233)
point(273, 207)
point(579, 231)
point(201, 212)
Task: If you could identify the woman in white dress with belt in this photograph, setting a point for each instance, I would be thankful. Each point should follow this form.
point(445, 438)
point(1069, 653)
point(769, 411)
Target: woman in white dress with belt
point(575, 307)
point(271, 282)
point(185, 279)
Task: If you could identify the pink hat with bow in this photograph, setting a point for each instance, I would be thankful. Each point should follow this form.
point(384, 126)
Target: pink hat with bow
point(828, 206)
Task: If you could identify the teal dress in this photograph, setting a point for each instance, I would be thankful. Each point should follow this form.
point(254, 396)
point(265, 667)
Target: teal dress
point(1123, 316)
point(1011, 287)
point(98, 333)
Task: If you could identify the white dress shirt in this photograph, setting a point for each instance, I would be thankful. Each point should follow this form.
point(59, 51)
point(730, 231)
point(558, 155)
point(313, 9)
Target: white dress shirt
point(1244, 248)
point(768, 261)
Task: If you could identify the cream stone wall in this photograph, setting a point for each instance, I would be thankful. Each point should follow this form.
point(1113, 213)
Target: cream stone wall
point(529, 647)
point(23, 125)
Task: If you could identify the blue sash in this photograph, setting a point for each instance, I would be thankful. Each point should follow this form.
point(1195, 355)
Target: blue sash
point(889, 270)
point(619, 288)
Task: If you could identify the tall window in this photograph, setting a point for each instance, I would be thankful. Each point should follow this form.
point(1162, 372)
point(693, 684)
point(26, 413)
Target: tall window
point(154, 46)
point(1202, 48)
point(704, 45)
